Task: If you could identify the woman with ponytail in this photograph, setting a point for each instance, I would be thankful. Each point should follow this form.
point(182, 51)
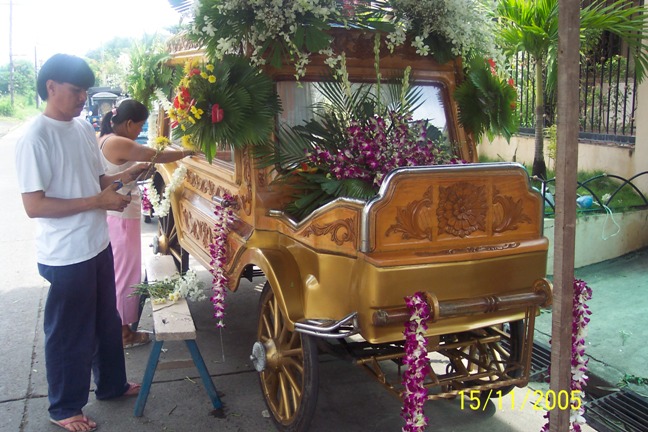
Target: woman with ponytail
point(119, 128)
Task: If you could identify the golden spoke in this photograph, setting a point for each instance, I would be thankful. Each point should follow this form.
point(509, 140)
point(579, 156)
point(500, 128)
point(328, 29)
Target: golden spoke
point(298, 365)
point(284, 389)
point(294, 384)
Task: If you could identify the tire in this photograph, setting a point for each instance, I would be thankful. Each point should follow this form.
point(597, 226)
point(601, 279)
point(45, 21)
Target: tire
point(290, 380)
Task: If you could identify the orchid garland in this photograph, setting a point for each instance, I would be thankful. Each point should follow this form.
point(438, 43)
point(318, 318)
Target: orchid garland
point(415, 393)
point(218, 252)
point(161, 206)
point(580, 313)
point(146, 202)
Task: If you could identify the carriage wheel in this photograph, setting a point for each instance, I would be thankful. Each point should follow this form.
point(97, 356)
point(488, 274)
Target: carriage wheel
point(287, 362)
point(166, 241)
point(498, 355)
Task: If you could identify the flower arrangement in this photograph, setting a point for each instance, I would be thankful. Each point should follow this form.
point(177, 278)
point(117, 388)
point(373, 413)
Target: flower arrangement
point(218, 252)
point(580, 319)
point(173, 288)
point(358, 134)
point(223, 104)
point(415, 393)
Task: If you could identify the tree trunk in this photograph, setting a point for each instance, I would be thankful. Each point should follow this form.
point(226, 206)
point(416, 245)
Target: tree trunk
point(539, 166)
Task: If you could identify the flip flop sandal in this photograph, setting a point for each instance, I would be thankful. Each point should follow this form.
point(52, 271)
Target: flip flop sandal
point(133, 389)
point(139, 339)
point(65, 424)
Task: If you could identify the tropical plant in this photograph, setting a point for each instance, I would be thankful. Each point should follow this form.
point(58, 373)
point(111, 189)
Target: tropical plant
point(532, 26)
point(487, 101)
point(149, 71)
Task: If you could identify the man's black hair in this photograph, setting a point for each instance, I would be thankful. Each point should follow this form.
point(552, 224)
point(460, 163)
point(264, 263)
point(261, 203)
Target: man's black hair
point(64, 68)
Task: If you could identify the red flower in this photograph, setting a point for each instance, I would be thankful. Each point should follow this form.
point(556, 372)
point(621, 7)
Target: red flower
point(217, 114)
point(510, 82)
point(194, 71)
point(491, 63)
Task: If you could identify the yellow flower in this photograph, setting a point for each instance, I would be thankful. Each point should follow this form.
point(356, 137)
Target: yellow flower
point(187, 142)
point(197, 112)
point(209, 67)
point(203, 74)
point(161, 143)
point(192, 120)
point(211, 79)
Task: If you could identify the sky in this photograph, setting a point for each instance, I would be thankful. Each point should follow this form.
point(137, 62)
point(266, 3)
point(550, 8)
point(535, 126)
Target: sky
point(42, 28)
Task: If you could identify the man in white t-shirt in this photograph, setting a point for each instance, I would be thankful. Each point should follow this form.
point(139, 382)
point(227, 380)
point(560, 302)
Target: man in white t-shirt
point(61, 175)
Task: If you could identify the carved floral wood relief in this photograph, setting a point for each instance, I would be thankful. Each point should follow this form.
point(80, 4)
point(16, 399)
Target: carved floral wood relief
point(341, 231)
point(408, 219)
point(508, 213)
point(462, 209)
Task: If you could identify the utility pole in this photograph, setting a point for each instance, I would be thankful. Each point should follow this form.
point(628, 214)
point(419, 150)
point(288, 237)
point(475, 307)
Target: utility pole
point(11, 63)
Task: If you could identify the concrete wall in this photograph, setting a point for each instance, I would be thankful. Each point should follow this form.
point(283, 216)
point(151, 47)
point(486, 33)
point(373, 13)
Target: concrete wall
point(610, 158)
point(598, 238)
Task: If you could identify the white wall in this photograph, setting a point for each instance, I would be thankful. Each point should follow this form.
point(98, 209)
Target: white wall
point(598, 238)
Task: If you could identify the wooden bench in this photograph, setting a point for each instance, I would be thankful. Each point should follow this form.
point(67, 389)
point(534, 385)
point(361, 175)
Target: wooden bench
point(172, 322)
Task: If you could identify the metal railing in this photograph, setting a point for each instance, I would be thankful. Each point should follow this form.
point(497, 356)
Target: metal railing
point(608, 92)
point(589, 201)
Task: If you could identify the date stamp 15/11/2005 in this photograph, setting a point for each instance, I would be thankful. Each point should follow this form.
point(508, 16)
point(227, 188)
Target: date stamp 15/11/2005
point(537, 400)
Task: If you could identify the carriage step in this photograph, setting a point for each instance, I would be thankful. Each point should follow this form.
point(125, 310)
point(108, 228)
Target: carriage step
point(622, 411)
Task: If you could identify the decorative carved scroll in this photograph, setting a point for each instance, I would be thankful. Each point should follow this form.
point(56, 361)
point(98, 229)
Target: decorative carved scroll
point(471, 249)
point(246, 200)
point(199, 230)
point(202, 184)
point(341, 231)
point(408, 219)
point(462, 209)
point(512, 213)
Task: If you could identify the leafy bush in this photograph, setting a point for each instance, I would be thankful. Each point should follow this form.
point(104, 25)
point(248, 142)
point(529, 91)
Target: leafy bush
point(6, 109)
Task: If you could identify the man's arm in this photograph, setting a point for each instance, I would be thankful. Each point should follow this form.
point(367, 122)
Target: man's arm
point(37, 205)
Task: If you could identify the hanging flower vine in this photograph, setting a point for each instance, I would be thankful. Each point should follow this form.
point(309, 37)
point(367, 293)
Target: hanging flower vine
point(218, 251)
point(415, 393)
point(580, 314)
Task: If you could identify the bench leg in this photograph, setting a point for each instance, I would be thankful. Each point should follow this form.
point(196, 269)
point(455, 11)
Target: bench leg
point(154, 357)
point(204, 374)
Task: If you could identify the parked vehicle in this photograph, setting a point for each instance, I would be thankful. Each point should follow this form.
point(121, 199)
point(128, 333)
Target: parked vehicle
point(467, 235)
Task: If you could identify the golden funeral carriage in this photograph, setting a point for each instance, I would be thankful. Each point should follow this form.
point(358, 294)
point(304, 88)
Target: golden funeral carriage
point(467, 236)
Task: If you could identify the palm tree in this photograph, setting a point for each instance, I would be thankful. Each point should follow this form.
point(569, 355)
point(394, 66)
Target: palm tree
point(531, 26)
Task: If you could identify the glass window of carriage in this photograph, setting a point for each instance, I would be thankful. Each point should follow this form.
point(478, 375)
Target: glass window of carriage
point(301, 100)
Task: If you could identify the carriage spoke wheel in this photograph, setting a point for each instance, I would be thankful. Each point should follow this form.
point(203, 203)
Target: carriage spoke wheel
point(289, 377)
point(496, 356)
point(166, 241)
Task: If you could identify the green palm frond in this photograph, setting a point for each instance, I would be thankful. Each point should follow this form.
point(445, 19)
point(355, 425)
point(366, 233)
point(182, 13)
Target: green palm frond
point(486, 102)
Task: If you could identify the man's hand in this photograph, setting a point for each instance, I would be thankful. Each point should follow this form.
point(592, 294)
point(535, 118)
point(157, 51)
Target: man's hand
point(109, 199)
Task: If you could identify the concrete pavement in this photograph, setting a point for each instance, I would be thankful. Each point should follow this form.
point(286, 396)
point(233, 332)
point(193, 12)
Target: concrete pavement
point(349, 400)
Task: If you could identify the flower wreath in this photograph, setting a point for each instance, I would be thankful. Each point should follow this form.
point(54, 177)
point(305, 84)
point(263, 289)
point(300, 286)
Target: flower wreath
point(223, 104)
